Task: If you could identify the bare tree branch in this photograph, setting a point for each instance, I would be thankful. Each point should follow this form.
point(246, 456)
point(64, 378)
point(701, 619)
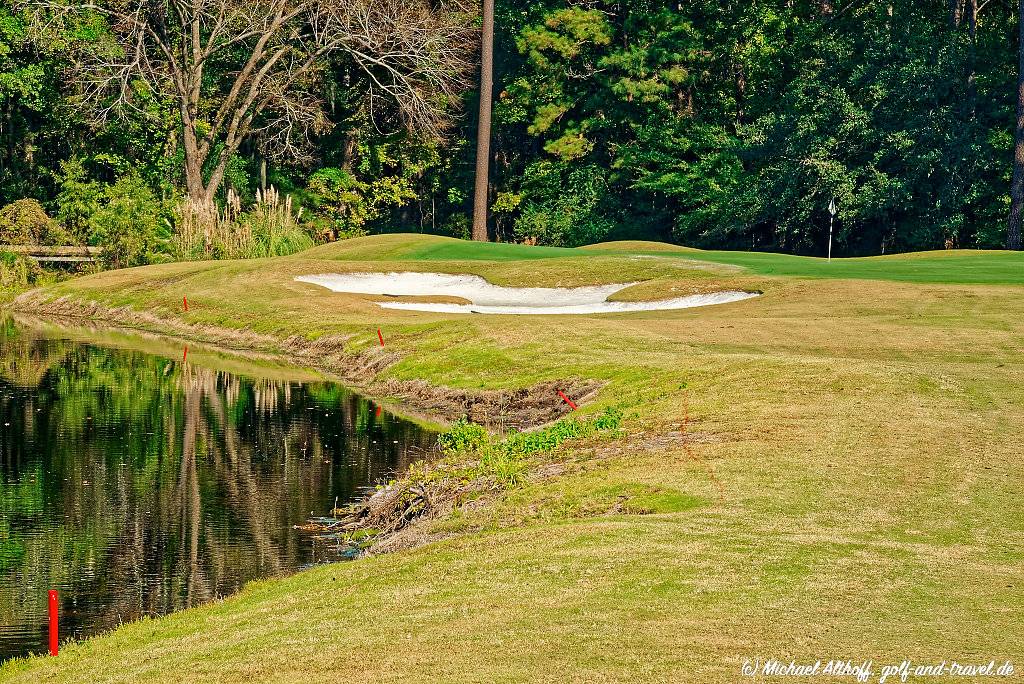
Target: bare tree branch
point(239, 70)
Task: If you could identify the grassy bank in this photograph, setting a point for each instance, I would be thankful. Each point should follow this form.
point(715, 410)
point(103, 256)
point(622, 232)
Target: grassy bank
point(830, 470)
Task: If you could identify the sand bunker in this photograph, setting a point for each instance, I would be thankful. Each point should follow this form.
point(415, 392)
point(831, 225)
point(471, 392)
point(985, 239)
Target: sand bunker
point(486, 298)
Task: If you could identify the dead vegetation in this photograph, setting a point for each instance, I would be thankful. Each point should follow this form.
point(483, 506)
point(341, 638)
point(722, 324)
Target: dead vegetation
point(519, 409)
point(401, 515)
point(393, 517)
point(473, 468)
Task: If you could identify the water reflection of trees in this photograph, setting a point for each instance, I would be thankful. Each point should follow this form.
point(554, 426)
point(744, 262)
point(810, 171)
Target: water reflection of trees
point(142, 485)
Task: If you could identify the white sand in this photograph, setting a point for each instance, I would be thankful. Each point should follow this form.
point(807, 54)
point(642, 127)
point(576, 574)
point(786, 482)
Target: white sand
point(493, 299)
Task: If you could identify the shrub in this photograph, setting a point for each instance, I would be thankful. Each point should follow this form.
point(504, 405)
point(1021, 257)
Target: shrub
point(25, 222)
point(343, 204)
point(505, 460)
point(504, 466)
point(78, 201)
point(339, 203)
point(131, 225)
point(463, 437)
point(560, 206)
point(17, 271)
point(459, 226)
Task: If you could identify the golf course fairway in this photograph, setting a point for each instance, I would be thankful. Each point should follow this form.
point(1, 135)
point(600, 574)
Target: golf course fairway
point(829, 471)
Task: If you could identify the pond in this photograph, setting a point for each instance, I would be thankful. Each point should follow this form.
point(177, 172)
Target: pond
point(142, 482)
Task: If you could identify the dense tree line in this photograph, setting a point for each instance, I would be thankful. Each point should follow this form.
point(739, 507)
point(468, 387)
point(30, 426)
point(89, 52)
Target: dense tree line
point(711, 124)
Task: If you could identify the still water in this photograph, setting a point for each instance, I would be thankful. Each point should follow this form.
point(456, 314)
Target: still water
point(138, 483)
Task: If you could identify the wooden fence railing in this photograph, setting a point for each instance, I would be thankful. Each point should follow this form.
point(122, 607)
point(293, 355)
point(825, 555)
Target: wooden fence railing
point(69, 253)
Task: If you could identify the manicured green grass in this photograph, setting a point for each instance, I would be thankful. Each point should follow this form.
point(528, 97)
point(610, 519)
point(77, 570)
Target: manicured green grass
point(952, 266)
point(413, 247)
point(831, 470)
point(955, 266)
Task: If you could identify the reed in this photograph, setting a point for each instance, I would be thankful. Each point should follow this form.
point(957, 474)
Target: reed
point(269, 228)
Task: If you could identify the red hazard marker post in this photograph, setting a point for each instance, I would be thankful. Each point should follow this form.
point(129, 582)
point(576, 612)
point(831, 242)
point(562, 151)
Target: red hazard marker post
point(54, 631)
point(184, 355)
point(185, 302)
point(377, 412)
point(380, 337)
point(567, 400)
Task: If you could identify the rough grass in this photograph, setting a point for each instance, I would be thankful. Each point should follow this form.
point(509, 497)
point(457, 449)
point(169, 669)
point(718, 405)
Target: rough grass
point(831, 470)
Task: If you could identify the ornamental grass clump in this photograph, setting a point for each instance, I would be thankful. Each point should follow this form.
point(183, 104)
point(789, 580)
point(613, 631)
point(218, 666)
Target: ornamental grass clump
point(269, 228)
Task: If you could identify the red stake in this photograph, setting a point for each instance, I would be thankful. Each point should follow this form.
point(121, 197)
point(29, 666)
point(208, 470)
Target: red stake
point(380, 337)
point(567, 399)
point(53, 622)
point(378, 412)
point(185, 300)
point(184, 355)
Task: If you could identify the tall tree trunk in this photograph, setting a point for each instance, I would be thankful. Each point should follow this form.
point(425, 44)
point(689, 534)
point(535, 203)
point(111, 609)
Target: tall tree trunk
point(483, 137)
point(348, 151)
point(194, 185)
point(1017, 184)
point(194, 179)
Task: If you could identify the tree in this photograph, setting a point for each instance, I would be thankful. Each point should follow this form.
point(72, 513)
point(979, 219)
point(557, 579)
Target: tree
point(238, 71)
point(1017, 183)
point(715, 125)
point(35, 124)
point(483, 137)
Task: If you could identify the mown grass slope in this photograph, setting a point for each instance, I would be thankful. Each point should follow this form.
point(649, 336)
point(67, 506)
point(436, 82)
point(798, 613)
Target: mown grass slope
point(830, 470)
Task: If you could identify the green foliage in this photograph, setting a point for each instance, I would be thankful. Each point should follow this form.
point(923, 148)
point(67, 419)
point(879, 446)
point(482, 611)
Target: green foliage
point(273, 239)
point(506, 459)
point(700, 170)
point(565, 34)
point(19, 78)
point(339, 202)
point(561, 205)
point(345, 200)
point(274, 231)
point(458, 226)
point(610, 419)
point(734, 127)
point(25, 222)
point(719, 127)
point(131, 226)
point(463, 436)
point(79, 199)
point(17, 271)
